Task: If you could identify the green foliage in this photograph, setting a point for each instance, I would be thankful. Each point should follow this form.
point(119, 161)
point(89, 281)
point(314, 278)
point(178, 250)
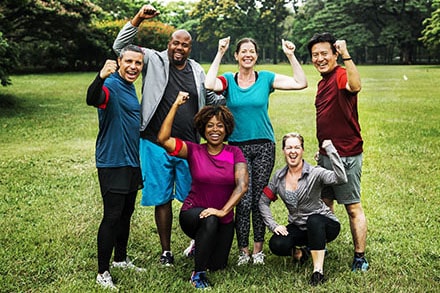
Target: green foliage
point(123, 9)
point(261, 20)
point(154, 35)
point(51, 206)
point(176, 14)
point(65, 35)
point(431, 32)
point(377, 30)
point(7, 60)
point(48, 34)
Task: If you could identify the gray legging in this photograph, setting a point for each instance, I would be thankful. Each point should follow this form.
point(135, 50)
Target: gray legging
point(320, 230)
point(260, 158)
point(213, 239)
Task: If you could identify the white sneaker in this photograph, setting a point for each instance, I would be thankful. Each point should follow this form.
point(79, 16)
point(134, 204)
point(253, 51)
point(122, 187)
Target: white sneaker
point(258, 258)
point(243, 259)
point(105, 280)
point(189, 251)
point(127, 264)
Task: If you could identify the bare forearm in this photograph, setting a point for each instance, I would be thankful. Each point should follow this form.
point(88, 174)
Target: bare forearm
point(241, 186)
point(353, 76)
point(164, 135)
point(297, 72)
point(211, 76)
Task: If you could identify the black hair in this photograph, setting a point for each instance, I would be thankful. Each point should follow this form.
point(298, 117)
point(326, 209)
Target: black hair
point(221, 112)
point(322, 38)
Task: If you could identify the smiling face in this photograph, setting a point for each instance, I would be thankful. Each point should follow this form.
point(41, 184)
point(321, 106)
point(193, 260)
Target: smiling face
point(215, 131)
point(293, 152)
point(179, 48)
point(130, 65)
point(246, 55)
point(323, 57)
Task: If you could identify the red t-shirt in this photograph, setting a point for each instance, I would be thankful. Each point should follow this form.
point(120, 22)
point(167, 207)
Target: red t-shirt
point(337, 114)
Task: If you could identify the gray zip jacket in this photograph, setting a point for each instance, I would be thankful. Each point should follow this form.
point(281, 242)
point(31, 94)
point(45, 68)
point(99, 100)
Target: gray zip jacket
point(155, 74)
point(308, 194)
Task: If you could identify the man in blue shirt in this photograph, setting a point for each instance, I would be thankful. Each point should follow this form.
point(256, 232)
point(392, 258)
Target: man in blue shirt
point(117, 156)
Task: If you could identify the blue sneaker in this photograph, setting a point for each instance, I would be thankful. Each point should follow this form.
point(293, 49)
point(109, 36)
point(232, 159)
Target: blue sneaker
point(360, 264)
point(199, 280)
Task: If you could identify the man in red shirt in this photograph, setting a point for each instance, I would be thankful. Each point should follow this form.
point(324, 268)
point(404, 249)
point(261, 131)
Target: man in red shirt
point(337, 120)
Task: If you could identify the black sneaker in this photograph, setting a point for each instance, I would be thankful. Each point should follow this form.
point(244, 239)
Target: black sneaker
point(360, 264)
point(317, 279)
point(167, 259)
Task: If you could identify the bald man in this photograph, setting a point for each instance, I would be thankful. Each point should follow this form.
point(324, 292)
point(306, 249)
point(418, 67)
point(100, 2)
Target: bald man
point(165, 73)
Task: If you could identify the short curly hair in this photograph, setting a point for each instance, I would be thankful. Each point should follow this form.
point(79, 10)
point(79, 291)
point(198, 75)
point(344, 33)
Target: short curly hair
point(221, 112)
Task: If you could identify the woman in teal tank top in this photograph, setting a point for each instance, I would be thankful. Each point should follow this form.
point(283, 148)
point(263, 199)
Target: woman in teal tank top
point(247, 96)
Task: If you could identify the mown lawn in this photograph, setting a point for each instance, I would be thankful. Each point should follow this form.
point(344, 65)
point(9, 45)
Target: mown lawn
point(51, 207)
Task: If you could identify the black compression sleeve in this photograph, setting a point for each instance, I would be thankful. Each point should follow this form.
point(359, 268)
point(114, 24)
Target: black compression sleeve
point(95, 94)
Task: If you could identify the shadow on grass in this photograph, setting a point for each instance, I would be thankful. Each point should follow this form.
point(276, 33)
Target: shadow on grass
point(8, 101)
point(12, 105)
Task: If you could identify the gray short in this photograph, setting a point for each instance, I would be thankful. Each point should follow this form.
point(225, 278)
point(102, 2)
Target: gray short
point(349, 192)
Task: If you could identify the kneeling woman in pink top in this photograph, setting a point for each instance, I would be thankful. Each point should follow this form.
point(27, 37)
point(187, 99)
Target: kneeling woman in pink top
point(219, 180)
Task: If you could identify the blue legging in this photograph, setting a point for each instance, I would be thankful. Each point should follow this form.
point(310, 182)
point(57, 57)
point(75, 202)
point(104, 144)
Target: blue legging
point(114, 229)
point(213, 239)
point(320, 230)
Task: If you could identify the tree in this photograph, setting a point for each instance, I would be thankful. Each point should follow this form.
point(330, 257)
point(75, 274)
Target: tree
point(7, 61)
point(260, 20)
point(124, 9)
point(273, 13)
point(382, 27)
point(48, 34)
point(431, 32)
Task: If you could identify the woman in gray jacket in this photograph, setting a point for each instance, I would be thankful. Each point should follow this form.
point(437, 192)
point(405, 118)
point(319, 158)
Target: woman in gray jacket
point(311, 223)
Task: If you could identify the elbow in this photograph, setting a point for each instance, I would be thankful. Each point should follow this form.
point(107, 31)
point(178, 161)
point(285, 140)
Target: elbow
point(160, 140)
point(355, 88)
point(243, 189)
point(209, 86)
point(343, 180)
point(299, 84)
point(89, 98)
point(116, 47)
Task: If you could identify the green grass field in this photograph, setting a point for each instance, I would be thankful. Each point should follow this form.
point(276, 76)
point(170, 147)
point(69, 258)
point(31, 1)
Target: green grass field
point(51, 207)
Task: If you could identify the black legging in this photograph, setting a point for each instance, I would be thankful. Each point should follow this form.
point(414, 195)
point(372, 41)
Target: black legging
point(114, 228)
point(213, 239)
point(320, 230)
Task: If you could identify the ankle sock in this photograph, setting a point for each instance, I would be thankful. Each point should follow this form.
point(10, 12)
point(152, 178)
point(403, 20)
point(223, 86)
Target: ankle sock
point(359, 254)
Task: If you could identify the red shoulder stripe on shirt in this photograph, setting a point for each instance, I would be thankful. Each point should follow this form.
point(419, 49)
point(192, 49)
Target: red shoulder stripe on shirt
point(269, 193)
point(107, 97)
point(179, 145)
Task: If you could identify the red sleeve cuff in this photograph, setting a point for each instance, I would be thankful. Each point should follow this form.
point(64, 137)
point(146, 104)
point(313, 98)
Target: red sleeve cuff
point(269, 193)
point(179, 145)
